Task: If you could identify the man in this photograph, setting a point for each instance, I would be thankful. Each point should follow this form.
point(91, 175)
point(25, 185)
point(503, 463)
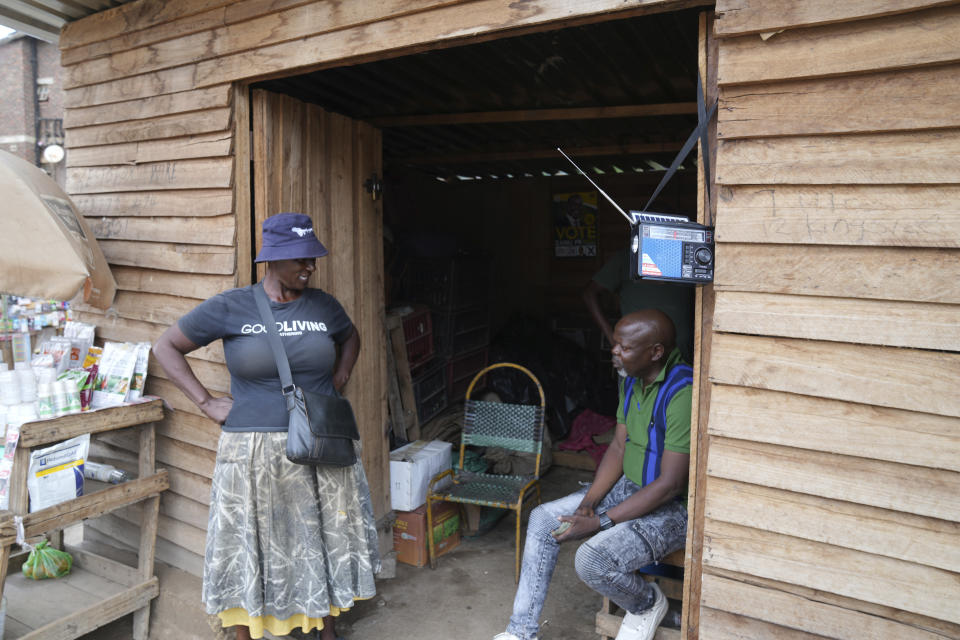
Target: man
point(634, 512)
point(673, 299)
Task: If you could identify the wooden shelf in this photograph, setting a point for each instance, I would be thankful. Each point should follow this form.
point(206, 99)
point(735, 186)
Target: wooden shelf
point(95, 593)
point(98, 590)
point(33, 434)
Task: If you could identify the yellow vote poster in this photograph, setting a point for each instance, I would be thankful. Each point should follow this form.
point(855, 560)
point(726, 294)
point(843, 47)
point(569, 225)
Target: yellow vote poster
point(574, 224)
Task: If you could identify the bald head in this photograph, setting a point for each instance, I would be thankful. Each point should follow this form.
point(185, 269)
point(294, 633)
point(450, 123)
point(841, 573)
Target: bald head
point(652, 323)
point(642, 342)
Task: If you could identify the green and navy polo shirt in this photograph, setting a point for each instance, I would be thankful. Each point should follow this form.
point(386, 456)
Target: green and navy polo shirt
point(647, 436)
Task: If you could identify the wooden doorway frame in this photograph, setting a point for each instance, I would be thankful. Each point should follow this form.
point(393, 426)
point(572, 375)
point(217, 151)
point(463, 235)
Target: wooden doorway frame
point(707, 64)
point(703, 334)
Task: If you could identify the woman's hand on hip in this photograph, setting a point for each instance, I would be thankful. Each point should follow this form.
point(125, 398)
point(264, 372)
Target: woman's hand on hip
point(340, 379)
point(217, 409)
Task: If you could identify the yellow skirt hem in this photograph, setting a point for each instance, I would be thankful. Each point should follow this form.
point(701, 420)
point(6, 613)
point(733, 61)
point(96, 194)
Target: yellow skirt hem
point(258, 624)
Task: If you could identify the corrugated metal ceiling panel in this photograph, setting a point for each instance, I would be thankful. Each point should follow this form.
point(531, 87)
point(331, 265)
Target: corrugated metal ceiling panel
point(43, 19)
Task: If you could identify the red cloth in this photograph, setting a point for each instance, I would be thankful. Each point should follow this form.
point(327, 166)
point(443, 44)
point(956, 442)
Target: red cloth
point(585, 426)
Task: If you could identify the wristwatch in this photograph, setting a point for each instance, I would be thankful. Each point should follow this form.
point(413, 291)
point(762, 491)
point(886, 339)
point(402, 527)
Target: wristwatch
point(605, 521)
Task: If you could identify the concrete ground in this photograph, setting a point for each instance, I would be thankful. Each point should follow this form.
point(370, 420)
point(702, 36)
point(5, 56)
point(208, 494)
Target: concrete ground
point(468, 596)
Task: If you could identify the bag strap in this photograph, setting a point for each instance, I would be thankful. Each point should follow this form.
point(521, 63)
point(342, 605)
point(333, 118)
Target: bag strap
point(283, 365)
point(704, 117)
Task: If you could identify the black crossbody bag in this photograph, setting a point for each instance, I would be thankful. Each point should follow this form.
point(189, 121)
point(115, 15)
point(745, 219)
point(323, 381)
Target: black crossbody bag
point(322, 428)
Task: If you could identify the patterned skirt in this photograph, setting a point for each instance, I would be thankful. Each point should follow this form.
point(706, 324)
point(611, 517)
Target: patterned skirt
point(287, 544)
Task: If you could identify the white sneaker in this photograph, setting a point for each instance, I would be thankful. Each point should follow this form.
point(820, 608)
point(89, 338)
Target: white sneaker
point(506, 635)
point(643, 626)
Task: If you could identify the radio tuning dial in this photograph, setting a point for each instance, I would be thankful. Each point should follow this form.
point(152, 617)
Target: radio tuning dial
point(704, 256)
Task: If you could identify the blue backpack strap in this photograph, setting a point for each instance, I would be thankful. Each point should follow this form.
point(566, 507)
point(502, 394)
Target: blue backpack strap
point(627, 384)
point(679, 376)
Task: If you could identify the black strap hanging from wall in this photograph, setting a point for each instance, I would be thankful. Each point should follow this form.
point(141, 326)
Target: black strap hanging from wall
point(703, 120)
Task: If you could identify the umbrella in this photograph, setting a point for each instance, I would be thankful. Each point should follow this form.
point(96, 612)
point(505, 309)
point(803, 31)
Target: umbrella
point(46, 248)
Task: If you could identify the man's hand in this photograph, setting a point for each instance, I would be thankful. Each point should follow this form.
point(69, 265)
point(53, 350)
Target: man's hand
point(580, 527)
point(217, 408)
point(586, 509)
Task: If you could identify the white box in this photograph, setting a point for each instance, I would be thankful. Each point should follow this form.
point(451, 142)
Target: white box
point(412, 467)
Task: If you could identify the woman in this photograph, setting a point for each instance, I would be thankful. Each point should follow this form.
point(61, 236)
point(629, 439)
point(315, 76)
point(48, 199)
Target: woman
point(288, 546)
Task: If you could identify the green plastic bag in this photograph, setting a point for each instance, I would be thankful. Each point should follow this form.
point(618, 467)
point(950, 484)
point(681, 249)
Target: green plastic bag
point(46, 562)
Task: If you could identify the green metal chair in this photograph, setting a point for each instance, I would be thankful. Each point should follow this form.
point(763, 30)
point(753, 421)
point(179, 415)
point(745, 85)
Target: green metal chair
point(518, 427)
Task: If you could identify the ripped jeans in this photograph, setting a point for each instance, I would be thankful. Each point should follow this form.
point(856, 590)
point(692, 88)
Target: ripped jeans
point(606, 562)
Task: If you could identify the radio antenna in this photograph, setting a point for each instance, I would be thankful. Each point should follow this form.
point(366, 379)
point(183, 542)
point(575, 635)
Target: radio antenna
point(602, 192)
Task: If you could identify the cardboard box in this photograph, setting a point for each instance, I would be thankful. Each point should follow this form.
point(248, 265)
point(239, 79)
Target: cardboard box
point(411, 469)
point(409, 532)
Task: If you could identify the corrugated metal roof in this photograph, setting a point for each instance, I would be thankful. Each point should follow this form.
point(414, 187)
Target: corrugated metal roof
point(620, 96)
point(43, 19)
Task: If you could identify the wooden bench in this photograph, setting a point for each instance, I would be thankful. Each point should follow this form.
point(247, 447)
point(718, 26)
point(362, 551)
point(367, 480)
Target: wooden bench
point(608, 622)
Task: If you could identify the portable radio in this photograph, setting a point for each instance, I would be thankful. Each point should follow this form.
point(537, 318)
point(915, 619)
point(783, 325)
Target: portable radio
point(664, 246)
point(670, 248)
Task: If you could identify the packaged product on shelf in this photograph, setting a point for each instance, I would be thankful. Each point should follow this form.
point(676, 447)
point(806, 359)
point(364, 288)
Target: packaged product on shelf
point(20, 343)
point(42, 361)
point(93, 357)
point(59, 349)
point(6, 462)
point(139, 372)
point(56, 472)
point(81, 339)
point(116, 371)
point(83, 381)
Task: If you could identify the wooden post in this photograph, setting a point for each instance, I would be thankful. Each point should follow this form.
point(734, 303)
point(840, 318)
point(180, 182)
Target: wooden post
point(241, 186)
point(149, 519)
point(703, 334)
point(399, 346)
point(398, 422)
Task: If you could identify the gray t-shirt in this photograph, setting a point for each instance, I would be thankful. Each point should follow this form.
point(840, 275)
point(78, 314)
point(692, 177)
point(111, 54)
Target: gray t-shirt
point(310, 328)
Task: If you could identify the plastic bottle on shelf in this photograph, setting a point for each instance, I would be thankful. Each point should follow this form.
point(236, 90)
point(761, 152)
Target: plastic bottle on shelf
point(45, 408)
point(45, 374)
point(21, 413)
point(104, 472)
point(59, 398)
point(9, 388)
point(28, 384)
point(71, 396)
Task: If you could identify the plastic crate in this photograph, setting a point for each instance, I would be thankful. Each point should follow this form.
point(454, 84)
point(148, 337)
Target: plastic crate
point(457, 332)
point(418, 333)
point(432, 406)
point(461, 370)
point(429, 381)
point(452, 322)
point(458, 344)
point(430, 390)
point(448, 283)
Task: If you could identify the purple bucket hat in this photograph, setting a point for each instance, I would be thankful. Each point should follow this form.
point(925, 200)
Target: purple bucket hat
point(289, 236)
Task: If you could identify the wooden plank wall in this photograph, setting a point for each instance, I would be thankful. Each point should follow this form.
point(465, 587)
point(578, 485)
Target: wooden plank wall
point(154, 177)
point(315, 162)
point(151, 103)
point(832, 505)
